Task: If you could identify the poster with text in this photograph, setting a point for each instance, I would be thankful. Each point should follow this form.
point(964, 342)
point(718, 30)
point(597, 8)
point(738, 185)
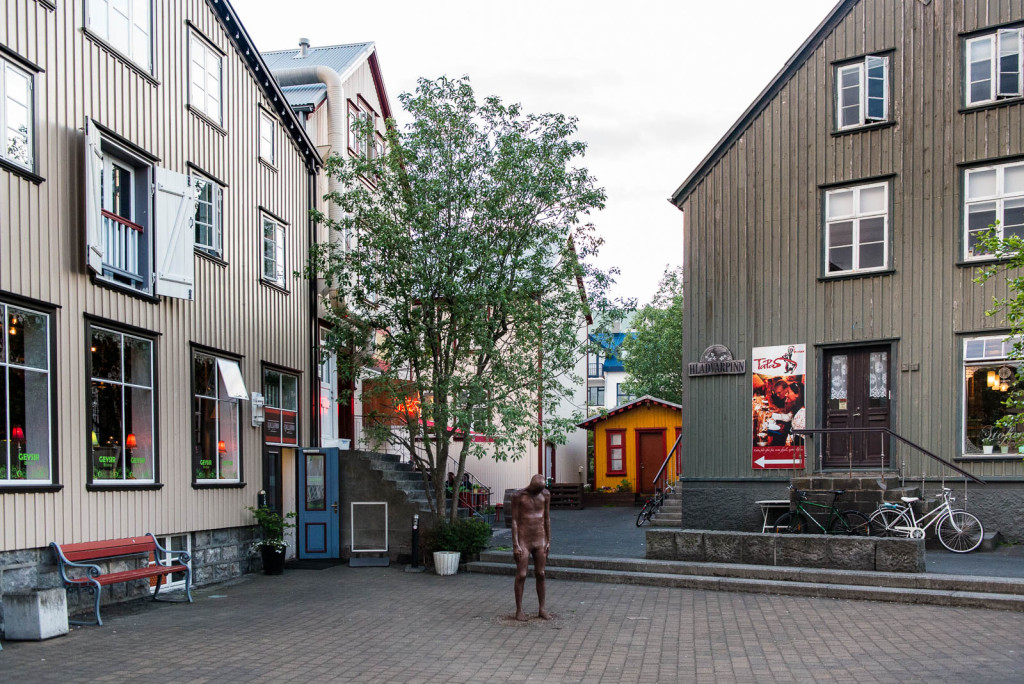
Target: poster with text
point(778, 406)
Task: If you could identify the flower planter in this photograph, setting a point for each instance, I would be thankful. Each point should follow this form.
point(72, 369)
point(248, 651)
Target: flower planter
point(273, 560)
point(1004, 449)
point(446, 562)
point(987, 448)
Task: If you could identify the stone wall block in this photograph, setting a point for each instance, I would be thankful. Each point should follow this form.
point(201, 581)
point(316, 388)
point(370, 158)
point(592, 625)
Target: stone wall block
point(802, 550)
point(899, 555)
point(661, 544)
point(851, 553)
point(690, 545)
point(756, 548)
point(723, 547)
point(18, 580)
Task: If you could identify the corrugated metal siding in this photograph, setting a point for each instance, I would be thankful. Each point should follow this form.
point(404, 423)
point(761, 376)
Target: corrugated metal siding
point(42, 247)
point(753, 249)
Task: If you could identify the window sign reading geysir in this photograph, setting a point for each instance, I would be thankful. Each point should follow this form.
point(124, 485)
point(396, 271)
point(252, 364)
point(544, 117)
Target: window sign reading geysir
point(280, 425)
point(779, 374)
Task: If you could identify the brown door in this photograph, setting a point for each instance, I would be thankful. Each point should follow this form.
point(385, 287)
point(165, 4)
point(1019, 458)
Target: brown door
point(857, 396)
point(650, 452)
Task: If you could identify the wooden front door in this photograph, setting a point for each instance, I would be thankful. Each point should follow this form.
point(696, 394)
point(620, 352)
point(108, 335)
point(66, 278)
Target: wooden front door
point(857, 395)
point(650, 452)
point(319, 522)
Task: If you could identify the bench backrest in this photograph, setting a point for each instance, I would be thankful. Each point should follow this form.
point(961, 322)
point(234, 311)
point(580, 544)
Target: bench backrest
point(108, 548)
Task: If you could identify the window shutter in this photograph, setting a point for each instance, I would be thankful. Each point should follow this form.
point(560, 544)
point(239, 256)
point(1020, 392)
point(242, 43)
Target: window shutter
point(1008, 66)
point(877, 87)
point(94, 251)
point(175, 211)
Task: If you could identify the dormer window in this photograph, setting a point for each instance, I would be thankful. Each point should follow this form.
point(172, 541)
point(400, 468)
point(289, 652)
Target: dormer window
point(862, 92)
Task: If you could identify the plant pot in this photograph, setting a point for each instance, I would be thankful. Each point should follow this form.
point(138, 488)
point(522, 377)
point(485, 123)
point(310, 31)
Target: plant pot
point(446, 562)
point(1004, 449)
point(987, 448)
point(273, 560)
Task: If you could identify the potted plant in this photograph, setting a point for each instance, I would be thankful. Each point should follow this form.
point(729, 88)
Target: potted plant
point(271, 546)
point(986, 444)
point(451, 542)
point(1004, 446)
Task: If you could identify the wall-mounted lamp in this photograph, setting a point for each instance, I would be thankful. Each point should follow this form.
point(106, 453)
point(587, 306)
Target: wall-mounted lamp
point(257, 404)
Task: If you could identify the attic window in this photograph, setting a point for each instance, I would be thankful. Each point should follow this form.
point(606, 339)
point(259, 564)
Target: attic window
point(862, 92)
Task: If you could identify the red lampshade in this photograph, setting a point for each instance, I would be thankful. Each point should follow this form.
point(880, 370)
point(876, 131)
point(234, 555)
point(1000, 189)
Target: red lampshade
point(17, 434)
point(129, 441)
point(222, 447)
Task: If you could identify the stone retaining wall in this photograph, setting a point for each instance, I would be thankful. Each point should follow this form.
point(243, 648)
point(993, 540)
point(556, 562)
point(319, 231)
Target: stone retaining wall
point(790, 550)
point(217, 555)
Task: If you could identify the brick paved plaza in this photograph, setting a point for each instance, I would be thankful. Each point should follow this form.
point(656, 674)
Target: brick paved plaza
point(385, 625)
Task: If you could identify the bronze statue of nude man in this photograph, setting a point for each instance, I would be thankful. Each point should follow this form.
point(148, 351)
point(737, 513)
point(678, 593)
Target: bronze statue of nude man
point(531, 535)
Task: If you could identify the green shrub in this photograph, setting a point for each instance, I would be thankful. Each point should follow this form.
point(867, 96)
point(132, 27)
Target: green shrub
point(466, 535)
point(624, 487)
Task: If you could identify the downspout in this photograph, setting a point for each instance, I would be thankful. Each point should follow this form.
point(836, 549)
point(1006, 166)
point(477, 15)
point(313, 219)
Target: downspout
point(314, 358)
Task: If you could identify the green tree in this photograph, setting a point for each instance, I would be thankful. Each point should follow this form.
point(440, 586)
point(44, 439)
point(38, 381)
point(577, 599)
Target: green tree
point(462, 255)
point(653, 356)
point(1008, 253)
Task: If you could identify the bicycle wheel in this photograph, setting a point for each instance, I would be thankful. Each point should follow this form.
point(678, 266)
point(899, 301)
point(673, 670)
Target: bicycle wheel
point(645, 514)
point(960, 532)
point(791, 523)
point(885, 522)
point(851, 522)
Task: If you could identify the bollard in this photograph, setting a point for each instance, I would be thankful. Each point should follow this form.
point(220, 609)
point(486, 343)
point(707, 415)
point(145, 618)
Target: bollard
point(415, 542)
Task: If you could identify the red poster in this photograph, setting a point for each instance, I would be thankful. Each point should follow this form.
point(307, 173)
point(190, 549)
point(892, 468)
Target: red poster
point(778, 406)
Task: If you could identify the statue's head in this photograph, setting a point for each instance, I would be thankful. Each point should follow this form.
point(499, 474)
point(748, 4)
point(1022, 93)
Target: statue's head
point(537, 484)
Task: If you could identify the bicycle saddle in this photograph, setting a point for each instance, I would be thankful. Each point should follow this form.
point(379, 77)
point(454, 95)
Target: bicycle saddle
point(839, 492)
point(909, 499)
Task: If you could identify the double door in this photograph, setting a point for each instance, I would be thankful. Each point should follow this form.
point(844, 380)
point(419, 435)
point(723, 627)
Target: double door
point(857, 395)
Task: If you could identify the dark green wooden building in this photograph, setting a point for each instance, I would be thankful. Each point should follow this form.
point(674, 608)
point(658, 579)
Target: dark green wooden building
point(840, 213)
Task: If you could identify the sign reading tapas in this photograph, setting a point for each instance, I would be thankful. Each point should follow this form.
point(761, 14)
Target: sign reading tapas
point(717, 360)
point(777, 408)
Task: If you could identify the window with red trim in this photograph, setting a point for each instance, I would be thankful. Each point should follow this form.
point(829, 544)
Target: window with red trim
point(616, 449)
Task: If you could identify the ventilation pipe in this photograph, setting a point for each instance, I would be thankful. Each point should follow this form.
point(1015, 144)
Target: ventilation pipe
point(303, 48)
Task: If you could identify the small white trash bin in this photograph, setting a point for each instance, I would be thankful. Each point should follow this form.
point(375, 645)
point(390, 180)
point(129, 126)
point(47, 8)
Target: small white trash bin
point(446, 562)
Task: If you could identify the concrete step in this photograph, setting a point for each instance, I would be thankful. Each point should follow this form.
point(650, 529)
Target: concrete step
point(951, 590)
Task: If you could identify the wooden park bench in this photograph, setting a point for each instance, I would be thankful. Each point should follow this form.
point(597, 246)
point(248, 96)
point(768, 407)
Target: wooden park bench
point(70, 556)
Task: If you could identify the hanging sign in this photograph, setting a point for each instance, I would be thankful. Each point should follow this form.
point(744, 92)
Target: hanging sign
point(778, 406)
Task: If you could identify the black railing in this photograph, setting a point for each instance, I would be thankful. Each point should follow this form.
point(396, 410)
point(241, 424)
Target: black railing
point(664, 464)
point(885, 431)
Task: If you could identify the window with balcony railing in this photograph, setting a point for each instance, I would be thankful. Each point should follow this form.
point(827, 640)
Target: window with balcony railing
point(595, 368)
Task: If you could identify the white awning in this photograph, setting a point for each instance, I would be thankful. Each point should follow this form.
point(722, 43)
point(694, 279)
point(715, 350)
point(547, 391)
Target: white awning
point(231, 374)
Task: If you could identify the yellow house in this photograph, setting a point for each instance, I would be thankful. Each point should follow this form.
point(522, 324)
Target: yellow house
point(631, 442)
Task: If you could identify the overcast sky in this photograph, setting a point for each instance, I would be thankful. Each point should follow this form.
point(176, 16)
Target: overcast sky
point(654, 84)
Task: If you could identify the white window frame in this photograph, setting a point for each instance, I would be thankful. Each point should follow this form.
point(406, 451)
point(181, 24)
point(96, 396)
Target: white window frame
point(7, 450)
point(996, 350)
point(166, 540)
point(276, 273)
point(862, 68)
point(8, 72)
point(1000, 41)
point(228, 378)
point(124, 479)
point(359, 144)
point(267, 130)
point(856, 217)
point(215, 246)
point(98, 14)
point(205, 79)
point(999, 200)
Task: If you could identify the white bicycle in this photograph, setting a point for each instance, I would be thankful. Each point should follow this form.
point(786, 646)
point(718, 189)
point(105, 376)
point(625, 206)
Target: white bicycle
point(958, 530)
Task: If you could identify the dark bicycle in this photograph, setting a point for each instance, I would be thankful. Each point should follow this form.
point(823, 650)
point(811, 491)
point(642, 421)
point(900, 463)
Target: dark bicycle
point(652, 506)
point(800, 520)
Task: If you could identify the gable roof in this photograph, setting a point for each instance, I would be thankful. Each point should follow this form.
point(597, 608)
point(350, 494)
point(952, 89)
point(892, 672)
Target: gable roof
point(246, 48)
point(818, 36)
point(340, 58)
point(646, 400)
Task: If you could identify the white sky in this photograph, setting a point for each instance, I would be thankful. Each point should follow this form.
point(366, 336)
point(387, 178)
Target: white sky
point(655, 84)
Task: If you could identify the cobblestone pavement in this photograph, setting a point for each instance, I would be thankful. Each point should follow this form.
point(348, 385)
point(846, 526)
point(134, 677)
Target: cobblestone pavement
point(385, 625)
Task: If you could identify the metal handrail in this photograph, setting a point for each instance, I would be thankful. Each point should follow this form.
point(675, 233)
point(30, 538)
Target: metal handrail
point(812, 431)
point(664, 463)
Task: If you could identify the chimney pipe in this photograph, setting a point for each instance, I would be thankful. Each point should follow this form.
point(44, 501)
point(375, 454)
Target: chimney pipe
point(303, 48)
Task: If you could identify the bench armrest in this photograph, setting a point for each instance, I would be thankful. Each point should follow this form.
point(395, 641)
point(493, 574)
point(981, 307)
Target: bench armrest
point(183, 556)
point(62, 562)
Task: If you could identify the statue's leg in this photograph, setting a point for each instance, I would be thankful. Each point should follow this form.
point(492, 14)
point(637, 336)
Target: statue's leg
point(522, 566)
point(540, 562)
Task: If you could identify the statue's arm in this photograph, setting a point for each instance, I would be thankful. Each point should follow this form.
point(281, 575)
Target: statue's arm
point(547, 521)
point(513, 506)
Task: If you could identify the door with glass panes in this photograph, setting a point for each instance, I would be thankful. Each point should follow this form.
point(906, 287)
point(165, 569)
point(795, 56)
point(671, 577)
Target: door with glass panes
point(857, 396)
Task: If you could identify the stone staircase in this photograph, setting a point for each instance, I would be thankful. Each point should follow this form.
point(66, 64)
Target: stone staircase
point(401, 476)
point(894, 587)
point(671, 513)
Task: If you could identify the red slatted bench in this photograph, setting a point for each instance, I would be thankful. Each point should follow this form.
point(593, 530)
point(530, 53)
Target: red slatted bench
point(70, 556)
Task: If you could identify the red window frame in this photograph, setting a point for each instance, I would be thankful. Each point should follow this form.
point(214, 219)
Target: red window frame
point(608, 451)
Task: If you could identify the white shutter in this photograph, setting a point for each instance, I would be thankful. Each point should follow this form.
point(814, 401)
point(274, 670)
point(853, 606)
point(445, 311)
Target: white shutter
point(172, 234)
point(94, 251)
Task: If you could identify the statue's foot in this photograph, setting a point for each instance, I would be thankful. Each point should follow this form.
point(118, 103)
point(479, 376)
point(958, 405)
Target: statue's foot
point(521, 616)
point(544, 615)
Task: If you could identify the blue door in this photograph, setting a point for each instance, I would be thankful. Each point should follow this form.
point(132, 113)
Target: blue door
point(319, 522)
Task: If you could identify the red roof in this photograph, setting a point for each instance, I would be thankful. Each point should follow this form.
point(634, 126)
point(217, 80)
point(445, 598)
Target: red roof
point(646, 400)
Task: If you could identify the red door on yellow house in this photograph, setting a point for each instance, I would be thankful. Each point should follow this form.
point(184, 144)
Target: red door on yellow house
point(650, 452)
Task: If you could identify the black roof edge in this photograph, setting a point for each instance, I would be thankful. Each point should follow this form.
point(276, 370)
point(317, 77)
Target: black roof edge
point(837, 14)
point(267, 83)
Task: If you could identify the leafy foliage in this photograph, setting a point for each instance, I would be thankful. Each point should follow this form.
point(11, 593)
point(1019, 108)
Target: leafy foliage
point(272, 526)
point(457, 264)
point(466, 535)
point(1009, 253)
point(653, 357)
